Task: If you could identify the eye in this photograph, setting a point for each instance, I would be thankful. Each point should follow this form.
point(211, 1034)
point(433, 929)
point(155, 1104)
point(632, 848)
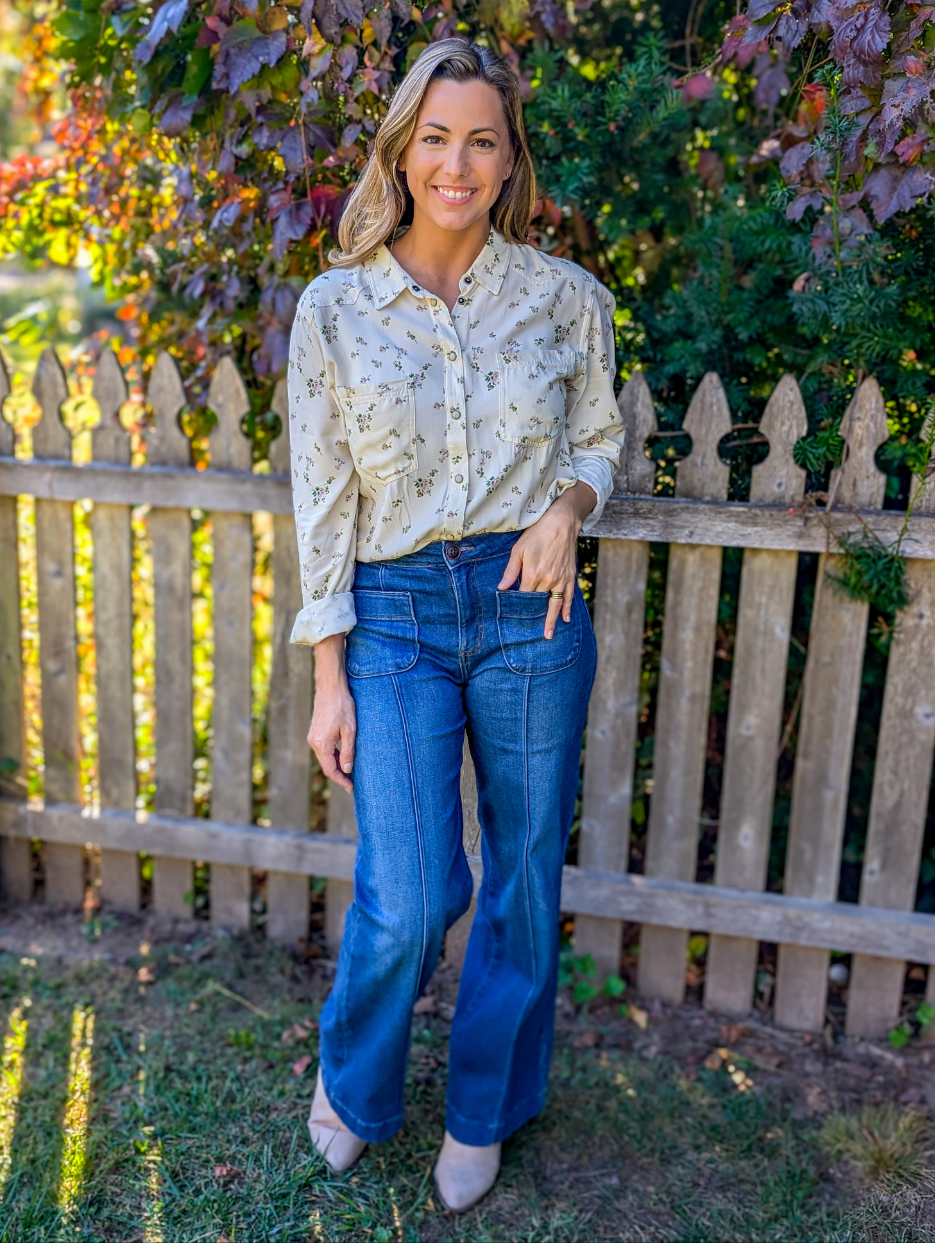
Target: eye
point(432, 138)
point(485, 142)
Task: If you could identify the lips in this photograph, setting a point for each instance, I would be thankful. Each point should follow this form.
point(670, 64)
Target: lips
point(454, 196)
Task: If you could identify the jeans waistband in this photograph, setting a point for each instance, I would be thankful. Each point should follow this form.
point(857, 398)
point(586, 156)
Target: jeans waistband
point(442, 552)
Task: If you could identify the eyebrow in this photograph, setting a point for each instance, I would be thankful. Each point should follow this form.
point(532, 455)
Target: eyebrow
point(484, 129)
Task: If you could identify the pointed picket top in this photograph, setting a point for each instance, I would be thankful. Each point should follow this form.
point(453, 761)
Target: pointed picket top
point(702, 476)
point(778, 478)
point(279, 462)
point(167, 444)
point(110, 442)
point(227, 397)
point(636, 474)
point(6, 429)
point(858, 481)
point(50, 436)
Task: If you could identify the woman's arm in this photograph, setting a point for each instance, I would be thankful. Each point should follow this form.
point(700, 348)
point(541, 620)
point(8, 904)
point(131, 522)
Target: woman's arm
point(333, 730)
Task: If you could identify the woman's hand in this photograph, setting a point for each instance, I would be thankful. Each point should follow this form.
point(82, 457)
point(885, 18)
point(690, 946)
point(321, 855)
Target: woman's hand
point(333, 730)
point(545, 552)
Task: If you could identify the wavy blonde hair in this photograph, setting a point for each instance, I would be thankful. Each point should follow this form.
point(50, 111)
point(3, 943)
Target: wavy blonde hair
point(380, 200)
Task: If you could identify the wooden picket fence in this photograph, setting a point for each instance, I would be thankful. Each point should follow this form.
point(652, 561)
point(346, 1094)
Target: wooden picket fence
point(881, 931)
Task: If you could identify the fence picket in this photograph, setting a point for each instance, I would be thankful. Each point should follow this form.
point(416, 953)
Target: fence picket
point(899, 803)
point(290, 708)
point(829, 719)
point(692, 594)
point(55, 563)
point(754, 721)
point(613, 714)
point(113, 632)
point(232, 586)
point(171, 534)
point(15, 862)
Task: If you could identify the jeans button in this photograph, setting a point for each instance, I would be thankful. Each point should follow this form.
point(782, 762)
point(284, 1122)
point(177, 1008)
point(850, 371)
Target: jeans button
point(452, 552)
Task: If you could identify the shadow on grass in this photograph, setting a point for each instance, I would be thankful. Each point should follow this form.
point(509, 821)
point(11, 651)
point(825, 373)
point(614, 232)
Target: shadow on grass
point(187, 1123)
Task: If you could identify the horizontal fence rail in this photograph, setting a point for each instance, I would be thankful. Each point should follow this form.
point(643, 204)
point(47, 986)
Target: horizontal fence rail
point(776, 524)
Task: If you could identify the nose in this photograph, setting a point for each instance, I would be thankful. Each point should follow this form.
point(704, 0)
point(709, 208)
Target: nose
point(457, 160)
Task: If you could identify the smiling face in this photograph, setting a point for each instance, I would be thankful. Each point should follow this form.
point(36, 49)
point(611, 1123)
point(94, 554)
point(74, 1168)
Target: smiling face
point(459, 154)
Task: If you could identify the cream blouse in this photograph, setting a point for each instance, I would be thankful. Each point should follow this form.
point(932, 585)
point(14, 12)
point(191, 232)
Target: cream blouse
point(410, 424)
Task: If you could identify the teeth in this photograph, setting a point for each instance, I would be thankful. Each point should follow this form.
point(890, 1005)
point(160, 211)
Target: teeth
point(455, 196)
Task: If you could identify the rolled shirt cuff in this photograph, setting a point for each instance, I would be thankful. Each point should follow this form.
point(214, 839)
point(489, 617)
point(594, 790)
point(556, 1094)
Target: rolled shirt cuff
point(322, 618)
point(598, 473)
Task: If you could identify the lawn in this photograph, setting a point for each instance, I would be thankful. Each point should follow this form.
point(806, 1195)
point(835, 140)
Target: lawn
point(156, 1082)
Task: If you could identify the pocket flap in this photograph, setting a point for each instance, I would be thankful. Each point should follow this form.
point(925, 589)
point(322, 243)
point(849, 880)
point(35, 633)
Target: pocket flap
point(383, 606)
point(522, 603)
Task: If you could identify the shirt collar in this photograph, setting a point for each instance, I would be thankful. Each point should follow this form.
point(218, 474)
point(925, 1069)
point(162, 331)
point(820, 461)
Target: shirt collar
point(388, 280)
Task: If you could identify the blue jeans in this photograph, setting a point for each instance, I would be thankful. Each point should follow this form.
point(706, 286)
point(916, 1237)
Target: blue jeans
point(437, 650)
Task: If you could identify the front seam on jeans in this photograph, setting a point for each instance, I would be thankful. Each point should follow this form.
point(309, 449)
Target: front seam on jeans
point(532, 945)
point(419, 837)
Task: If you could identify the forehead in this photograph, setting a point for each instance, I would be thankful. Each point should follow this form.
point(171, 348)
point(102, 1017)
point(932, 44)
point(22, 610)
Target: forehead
point(462, 105)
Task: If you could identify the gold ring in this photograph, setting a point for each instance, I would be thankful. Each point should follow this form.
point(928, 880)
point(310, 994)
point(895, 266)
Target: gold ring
point(556, 595)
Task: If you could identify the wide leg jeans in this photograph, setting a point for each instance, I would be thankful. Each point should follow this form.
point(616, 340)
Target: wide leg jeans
point(437, 650)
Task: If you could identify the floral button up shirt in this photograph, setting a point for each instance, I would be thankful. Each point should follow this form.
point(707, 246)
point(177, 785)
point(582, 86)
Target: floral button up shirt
point(409, 423)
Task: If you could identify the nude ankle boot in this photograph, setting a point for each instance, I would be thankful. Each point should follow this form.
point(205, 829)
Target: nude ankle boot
point(339, 1146)
point(465, 1173)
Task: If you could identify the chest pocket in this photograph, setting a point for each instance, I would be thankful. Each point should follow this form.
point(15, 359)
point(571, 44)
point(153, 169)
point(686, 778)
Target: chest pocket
point(381, 427)
point(532, 394)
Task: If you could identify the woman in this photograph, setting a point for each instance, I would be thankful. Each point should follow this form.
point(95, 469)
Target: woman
point(453, 429)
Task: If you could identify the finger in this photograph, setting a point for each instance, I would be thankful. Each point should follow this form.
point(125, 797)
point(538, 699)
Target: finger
point(347, 747)
point(569, 590)
point(551, 617)
point(513, 568)
point(325, 746)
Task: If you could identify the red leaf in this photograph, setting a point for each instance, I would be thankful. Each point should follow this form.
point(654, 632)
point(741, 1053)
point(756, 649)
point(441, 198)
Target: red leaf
point(302, 1065)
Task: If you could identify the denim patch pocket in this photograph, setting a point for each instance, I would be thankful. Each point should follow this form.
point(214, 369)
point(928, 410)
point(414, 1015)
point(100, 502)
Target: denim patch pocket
point(532, 394)
point(381, 427)
point(520, 622)
point(386, 638)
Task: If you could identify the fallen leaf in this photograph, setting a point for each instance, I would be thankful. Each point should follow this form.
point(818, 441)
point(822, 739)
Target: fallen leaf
point(730, 1033)
point(146, 975)
point(586, 1039)
point(425, 1005)
point(302, 1065)
point(639, 1017)
point(226, 1171)
point(713, 1061)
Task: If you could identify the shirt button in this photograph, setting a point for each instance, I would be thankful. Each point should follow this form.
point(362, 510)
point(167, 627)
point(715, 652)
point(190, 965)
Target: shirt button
point(452, 355)
point(434, 302)
point(456, 414)
point(459, 479)
point(461, 299)
point(452, 552)
point(416, 289)
point(467, 280)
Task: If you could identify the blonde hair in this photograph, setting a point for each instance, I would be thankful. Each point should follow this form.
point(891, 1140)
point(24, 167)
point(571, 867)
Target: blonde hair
point(380, 199)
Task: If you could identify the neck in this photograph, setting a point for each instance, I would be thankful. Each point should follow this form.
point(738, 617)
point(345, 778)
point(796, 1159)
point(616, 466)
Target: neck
point(437, 258)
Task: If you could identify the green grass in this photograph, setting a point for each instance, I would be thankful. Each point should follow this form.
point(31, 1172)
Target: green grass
point(188, 1124)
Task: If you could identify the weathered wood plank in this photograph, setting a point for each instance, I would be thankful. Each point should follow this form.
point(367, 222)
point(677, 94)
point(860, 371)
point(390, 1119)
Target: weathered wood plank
point(231, 581)
point(15, 862)
point(754, 721)
point(234, 491)
point(113, 634)
point(847, 926)
point(619, 607)
point(55, 573)
point(342, 824)
point(171, 533)
point(458, 935)
point(826, 734)
point(692, 593)
point(901, 782)
point(290, 710)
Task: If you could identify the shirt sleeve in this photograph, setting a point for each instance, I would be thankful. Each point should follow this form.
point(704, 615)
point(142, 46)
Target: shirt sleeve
point(593, 422)
point(324, 489)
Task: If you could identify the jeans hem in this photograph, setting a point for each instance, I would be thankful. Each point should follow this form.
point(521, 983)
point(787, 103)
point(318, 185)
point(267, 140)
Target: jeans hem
point(372, 1132)
point(479, 1134)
